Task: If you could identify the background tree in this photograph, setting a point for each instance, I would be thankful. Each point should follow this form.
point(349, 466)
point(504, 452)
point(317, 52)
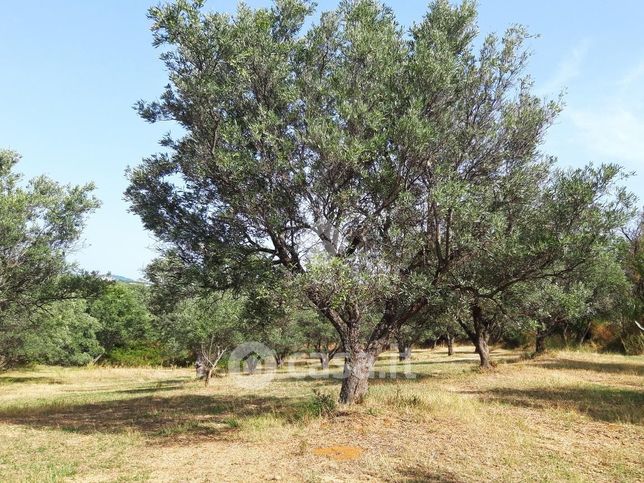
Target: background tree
point(446, 326)
point(534, 226)
point(575, 299)
point(274, 315)
point(40, 221)
point(629, 319)
point(209, 326)
point(319, 336)
point(63, 333)
point(125, 321)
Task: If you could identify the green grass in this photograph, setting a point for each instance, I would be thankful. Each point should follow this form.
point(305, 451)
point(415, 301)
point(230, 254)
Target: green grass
point(565, 417)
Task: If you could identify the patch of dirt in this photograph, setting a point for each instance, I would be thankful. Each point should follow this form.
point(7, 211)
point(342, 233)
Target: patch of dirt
point(339, 453)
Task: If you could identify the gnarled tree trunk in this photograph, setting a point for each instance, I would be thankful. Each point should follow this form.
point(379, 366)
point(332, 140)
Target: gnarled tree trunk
point(483, 350)
point(584, 335)
point(356, 376)
point(481, 336)
point(325, 354)
point(208, 356)
point(279, 360)
point(324, 359)
point(404, 346)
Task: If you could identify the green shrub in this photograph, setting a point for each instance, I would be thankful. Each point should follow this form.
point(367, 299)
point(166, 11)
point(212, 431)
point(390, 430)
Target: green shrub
point(633, 344)
point(319, 405)
point(137, 356)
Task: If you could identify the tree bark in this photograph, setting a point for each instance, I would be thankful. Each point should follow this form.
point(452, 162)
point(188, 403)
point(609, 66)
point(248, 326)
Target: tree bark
point(481, 337)
point(200, 367)
point(208, 376)
point(450, 345)
point(582, 339)
point(324, 359)
point(540, 342)
point(564, 335)
point(404, 352)
point(484, 352)
point(251, 364)
point(356, 377)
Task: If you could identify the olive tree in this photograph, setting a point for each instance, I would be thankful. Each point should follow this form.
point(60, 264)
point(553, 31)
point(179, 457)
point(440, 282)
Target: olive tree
point(273, 313)
point(594, 291)
point(341, 154)
point(537, 227)
point(40, 221)
point(207, 326)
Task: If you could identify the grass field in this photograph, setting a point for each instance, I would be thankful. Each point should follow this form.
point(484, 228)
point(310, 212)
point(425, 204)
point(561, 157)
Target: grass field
point(568, 416)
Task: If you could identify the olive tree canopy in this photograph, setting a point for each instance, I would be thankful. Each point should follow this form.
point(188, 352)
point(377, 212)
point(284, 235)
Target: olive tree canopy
point(341, 153)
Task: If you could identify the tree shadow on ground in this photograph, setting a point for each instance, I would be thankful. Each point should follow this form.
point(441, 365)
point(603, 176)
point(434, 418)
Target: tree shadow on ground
point(151, 389)
point(613, 367)
point(431, 475)
point(320, 380)
point(29, 380)
point(445, 362)
point(192, 416)
point(600, 403)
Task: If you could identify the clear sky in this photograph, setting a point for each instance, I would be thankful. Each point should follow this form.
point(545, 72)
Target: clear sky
point(70, 71)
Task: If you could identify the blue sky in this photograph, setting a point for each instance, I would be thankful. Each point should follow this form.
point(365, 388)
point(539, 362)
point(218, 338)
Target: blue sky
point(71, 70)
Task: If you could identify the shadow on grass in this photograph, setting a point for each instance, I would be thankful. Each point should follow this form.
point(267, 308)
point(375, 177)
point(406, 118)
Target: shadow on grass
point(191, 416)
point(320, 380)
point(600, 403)
point(445, 362)
point(29, 380)
point(151, 389)
point(423, 474)
point(613, 367)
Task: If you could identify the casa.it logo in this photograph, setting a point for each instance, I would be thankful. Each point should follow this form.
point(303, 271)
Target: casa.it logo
point(252, 365)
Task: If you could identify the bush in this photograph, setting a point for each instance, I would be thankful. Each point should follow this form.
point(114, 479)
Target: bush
point(633, 344)
point(319, 405)
point(517, 339)
point(137, 356)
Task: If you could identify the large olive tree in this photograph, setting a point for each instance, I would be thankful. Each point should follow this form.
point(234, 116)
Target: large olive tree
point(339, 154)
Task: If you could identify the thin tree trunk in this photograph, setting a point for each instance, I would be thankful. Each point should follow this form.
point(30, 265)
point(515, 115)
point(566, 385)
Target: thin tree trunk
point(200, 368)
point(356, 377)
point(540, 341)
point(585, 333)
point(450, 345)
point(208, 376)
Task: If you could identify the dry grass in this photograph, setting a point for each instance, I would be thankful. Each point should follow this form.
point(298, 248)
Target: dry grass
point(568, 416)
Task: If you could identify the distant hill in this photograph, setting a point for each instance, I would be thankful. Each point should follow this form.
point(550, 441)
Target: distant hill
point(120, 278)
